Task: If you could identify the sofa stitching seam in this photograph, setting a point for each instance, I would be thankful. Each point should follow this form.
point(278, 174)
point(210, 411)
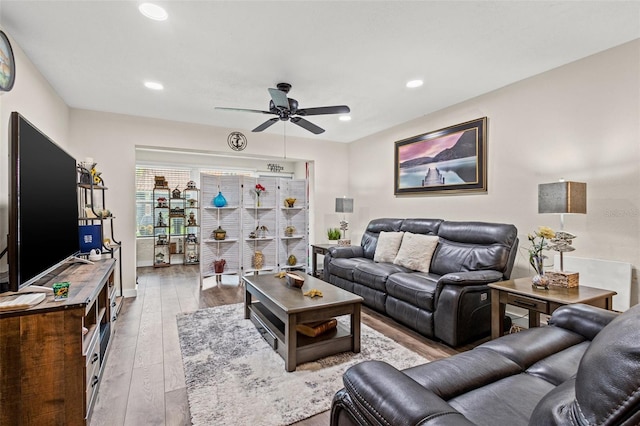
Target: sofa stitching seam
point(363, 401)
point(623, 402)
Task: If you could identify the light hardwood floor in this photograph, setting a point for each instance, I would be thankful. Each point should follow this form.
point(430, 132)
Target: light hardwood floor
point(143, 382)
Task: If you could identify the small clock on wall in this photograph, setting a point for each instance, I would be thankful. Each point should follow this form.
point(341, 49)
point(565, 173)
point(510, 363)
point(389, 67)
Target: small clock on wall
point(7, 64)
point(237, 141)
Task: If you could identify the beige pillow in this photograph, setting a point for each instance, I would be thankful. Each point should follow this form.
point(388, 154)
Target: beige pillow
point(387, 247)
point(416, 251)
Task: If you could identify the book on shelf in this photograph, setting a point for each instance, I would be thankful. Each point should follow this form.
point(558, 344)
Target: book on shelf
point(316, 328)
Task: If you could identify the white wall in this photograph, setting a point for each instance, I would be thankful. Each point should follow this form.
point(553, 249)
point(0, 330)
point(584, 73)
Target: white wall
point(111, 140)
point(33, 97)
point(580, 122)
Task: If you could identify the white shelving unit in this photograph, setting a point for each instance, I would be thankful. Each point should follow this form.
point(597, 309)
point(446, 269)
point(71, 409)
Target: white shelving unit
point(297, 217)
point(243, 220)
point(227, 218)
point(255, 217)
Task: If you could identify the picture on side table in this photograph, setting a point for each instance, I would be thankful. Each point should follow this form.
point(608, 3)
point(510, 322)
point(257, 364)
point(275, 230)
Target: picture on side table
point(448, 160)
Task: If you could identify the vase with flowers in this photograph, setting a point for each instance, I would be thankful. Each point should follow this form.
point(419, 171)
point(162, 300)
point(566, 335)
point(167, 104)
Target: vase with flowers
point(536, 258)
point(259, 189)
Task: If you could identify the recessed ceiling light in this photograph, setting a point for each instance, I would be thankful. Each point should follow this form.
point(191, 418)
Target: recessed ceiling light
point(153, 11)
point(344, 118)
point(153, 85)
point(414, 83)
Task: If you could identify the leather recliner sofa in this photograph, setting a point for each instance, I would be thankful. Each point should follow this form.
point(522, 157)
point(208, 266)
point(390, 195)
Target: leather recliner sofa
point(451, 302)
point(582, 369)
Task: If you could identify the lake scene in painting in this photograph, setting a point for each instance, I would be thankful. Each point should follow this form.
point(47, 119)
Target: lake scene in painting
point(444, 161)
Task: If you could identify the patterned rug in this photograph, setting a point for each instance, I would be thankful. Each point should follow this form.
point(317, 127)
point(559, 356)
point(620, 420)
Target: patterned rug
point(234, 378)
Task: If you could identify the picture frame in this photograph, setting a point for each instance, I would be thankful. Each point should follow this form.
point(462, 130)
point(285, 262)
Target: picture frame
point(445, 161)
point(7, 64)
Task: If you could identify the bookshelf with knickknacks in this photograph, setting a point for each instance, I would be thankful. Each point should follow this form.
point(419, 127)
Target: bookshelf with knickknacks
point(161, 234)
point(191, 195)
point(252, 225)
point(96, 225)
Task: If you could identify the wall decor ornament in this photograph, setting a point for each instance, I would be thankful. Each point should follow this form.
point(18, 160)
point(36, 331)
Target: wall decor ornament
point(237, 141)
point(7, 64)
point(449, 160)
point(219, 200)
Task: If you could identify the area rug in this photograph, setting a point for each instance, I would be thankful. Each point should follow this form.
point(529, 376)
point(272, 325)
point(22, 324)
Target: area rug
point(233, 376)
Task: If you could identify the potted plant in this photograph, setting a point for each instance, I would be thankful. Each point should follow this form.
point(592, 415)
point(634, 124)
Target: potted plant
point(334, 234)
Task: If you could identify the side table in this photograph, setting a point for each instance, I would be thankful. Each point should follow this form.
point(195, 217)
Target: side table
point(317, 249)
point(519, 293)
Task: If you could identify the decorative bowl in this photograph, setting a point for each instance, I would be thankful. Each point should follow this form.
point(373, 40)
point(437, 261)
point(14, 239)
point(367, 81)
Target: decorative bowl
point(294, 280)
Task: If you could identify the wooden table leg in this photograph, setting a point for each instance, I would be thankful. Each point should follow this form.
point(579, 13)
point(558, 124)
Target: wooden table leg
point(497, 314)
point(247, 303)
point(314, 263)
point(291, 342)
point(534, 319)
point(355, 329)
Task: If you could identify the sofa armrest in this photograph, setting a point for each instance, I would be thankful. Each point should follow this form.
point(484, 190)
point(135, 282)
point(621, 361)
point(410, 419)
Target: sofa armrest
point(378, 394)
point(583, 319)
point(470, 278)
point(346, 251)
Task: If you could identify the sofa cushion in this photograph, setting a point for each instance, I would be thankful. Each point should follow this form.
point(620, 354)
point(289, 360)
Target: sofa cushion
point(388, 245)
point(370, 237)
point(608, 383)
point(474, 246)
point(416, 251)
point(509, 401)
point(344, 267)
point(375, 275)
point(417, 288)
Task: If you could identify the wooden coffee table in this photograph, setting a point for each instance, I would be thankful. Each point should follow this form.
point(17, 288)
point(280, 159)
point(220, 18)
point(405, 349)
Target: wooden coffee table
point(519, 293)
point(276, 309)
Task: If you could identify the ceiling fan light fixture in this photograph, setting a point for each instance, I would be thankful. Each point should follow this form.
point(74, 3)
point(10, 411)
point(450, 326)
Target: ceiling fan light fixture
point(414, 83)
point(344, 118)
point(153, 11)
point(153, 85)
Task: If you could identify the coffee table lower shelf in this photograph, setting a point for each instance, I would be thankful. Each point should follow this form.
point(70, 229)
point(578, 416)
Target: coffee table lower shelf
point(307, 348)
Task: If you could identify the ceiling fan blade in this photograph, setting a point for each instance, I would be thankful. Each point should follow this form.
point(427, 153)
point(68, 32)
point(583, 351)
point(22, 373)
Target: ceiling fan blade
point(307, 125)
point(338, 109)
point(279, 98)
point(244, 110)
point(266, 124)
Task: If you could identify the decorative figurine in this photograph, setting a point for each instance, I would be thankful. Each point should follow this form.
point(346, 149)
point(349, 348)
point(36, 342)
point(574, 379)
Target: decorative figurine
point(161, 221)
point(176, 193)
point(192, 219)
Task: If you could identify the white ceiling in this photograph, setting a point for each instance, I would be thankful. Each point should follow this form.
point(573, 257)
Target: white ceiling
point(96, 54)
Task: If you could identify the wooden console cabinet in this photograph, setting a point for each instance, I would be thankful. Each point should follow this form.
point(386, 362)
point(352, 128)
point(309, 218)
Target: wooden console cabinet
point(50, 368)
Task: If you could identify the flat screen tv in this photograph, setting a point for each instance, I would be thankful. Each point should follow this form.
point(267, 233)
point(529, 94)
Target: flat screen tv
point(43, 205)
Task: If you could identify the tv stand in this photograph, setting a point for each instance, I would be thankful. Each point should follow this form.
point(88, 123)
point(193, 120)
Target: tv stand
point(36, 289)
point(52, 355)
point(78, 259)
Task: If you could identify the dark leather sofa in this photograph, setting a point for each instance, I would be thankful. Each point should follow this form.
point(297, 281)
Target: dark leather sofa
point(582, 369)
point(451, 302)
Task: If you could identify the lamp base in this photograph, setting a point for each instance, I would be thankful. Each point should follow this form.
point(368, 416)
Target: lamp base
point(563, 278)
point(342, 242)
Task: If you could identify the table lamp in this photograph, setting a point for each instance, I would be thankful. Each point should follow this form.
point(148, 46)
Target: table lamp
point(563, 197)
point(344, 205)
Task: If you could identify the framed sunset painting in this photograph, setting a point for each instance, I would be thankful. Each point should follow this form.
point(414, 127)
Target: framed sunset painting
point(449, 160)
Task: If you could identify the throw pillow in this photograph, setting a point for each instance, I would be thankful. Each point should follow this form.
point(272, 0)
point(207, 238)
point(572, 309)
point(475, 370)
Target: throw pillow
point(416, 251)
point(387, 247)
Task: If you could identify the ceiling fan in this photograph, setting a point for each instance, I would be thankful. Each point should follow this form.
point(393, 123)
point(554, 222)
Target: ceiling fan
point(287, 109)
